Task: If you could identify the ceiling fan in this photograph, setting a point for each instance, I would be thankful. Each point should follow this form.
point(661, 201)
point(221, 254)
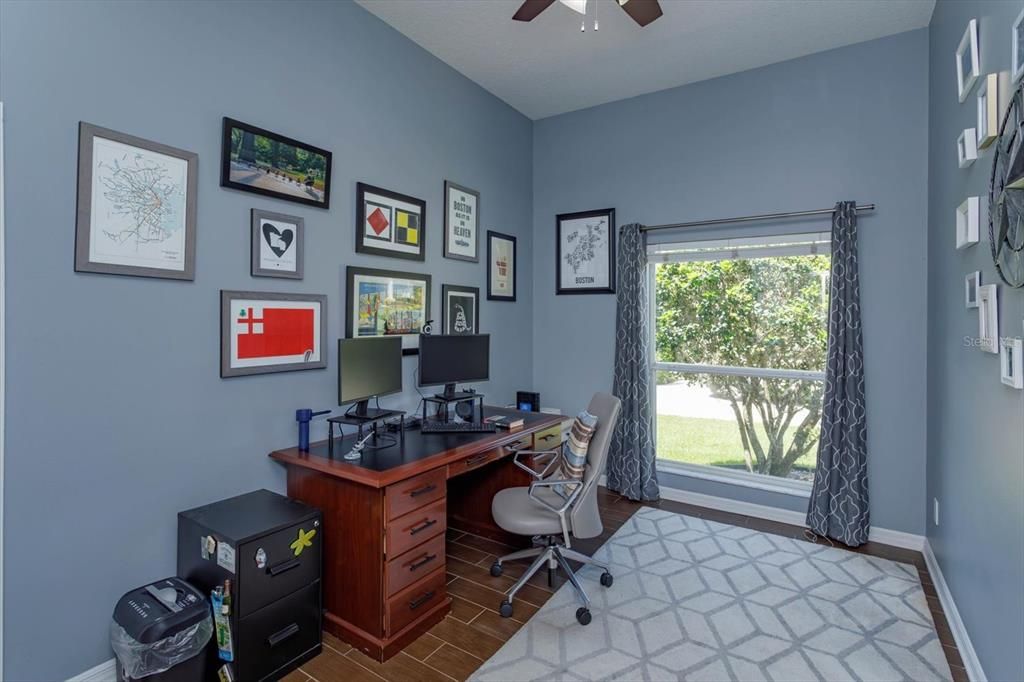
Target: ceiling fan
point(642, 12)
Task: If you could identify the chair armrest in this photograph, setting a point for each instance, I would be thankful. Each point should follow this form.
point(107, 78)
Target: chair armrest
point(536, 454)
point(548, 484)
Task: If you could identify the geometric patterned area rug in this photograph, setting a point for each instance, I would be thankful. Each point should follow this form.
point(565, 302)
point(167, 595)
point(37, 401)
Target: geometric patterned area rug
point(699, 600)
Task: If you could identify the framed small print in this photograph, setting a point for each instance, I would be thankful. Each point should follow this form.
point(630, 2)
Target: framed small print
point(968, 68)
point(585, 252)
point(501, 266)
point(988, 318)
point(971, 284)
point(1011, 372)
point(1017, 45)
point(136, 212)
point(263, 332)
point(967, 148)
point(276, 245)
point(259, 161)
point(988, 110)
point(389, 223)
point(387, 303)
point(460, 309)
point(461, 222)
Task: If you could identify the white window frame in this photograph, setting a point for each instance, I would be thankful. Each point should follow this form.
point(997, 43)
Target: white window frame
point(803, 243)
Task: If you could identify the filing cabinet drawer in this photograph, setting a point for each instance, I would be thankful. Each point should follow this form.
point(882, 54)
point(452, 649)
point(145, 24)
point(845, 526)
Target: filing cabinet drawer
point(282, 572)
point(415, 527)
point(406, 569)
point(411, 603)
point(549, 438)
point(406, 496)
point(475, 461)
point(278, 634)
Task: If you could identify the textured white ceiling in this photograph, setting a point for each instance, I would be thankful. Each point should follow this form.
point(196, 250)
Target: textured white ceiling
point(547, 66)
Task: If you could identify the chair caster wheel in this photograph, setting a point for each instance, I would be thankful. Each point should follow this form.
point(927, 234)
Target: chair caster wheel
point(506, 609)
point(583, 615)
point(607, 579)
point(496, 569)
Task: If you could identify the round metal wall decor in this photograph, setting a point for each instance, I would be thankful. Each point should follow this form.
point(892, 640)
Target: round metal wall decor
point(1006, 195)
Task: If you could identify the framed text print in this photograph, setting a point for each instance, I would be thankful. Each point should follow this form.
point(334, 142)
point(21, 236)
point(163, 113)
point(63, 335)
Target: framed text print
point(461, 222)
point(585, 252)
point(460, 309)
point(263, 332)
point(389, 223)
point(136, 206)
point(387, 303)
point(501, 266)
point(276, 245)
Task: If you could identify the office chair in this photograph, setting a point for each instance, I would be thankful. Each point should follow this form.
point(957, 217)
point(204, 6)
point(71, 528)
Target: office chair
point(548, 515)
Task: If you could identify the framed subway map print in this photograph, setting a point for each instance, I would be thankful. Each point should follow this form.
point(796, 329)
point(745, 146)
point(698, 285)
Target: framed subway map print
point(136, 210)
point(389, 223)
point(585, 252)
point(262, 332)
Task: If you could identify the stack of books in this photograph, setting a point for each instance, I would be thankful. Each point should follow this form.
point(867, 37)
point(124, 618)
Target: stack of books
point(503, 422)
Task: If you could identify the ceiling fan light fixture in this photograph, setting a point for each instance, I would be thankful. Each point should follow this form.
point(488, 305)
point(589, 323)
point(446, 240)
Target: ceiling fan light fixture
point(579, 6)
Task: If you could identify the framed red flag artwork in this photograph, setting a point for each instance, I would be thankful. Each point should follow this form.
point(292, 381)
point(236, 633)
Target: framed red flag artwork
point(262, 332)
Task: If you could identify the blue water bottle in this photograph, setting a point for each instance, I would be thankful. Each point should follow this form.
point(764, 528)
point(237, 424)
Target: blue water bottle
point(304, 416)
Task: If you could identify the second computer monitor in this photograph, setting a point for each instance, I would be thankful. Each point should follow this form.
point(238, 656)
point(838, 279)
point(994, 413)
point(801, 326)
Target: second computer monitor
point(368, 368)
point(452, 359)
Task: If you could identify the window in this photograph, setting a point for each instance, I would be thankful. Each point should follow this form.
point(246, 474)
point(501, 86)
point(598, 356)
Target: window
point(739, 339)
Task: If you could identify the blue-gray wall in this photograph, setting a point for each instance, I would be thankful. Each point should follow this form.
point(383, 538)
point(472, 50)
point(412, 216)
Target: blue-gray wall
point(117, 418)
point(844, 124)
point(975, 424)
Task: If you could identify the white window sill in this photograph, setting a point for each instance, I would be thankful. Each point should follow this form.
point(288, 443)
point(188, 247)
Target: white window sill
point(744, 479)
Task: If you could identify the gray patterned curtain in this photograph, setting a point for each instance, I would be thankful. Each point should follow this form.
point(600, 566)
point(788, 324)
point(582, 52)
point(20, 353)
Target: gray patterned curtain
point(631, 469)
point(838, 507)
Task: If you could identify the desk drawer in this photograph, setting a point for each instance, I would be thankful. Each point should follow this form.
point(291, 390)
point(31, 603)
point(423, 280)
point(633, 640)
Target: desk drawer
point(415, 527)
point(406, 606)
point(406, 569)
point(419, 491)
point(475, 461)
point(549, 438)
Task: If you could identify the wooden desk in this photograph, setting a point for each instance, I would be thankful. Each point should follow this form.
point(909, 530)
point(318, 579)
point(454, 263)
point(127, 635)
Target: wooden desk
point(385, 516)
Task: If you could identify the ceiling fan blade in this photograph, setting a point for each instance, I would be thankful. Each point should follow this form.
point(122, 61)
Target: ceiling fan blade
point(642, 12)
point(529, 10)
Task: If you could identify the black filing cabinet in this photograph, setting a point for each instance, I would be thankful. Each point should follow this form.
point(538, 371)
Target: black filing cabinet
point(268, 546)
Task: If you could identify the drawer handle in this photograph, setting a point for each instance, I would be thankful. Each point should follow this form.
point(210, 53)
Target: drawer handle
point(517, 445)
point(282, 635)
point(427, 558)
point(421, 600)
point(425, 525)
point(473, 461)
point(283, 567)
point(422, 491)
point(548, 437)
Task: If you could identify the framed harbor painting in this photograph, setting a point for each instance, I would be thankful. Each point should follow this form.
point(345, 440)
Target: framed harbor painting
point(389, 223)
point(387, 303)
point(585, 252)
point(263, 332)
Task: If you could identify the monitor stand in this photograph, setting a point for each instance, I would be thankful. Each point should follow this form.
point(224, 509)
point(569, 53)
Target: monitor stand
point(362, 410)
point(449, 394)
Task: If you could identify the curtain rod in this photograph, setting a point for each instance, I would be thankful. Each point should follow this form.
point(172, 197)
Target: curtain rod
point(750, 218)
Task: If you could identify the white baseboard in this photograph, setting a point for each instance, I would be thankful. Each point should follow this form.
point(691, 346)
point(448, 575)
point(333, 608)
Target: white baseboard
point(963, 641)
point(884, 536)
point(104, 672)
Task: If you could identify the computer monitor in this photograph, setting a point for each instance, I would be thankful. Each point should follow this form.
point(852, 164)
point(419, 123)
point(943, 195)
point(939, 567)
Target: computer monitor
point(450, 359)
point(368, 368)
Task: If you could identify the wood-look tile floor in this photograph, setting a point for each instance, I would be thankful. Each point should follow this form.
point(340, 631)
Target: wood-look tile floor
point(473, 631)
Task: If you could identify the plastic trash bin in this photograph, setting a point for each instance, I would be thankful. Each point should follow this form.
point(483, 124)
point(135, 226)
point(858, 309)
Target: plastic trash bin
point(159, 632)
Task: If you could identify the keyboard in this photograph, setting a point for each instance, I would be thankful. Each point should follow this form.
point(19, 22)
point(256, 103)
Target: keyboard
point(433, 426)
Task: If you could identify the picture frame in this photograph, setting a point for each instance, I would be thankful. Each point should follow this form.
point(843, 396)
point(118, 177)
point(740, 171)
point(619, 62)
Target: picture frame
point(968, 68)
point(988, 318)
point(276, 245)
point(971, 284)
point(269, 164)
point(968, 221)
point(967, 147)
point(387, 302)
point(585, 252)
point(266, 332)
point(390, 223)
point(1011, 357)
point(501, 266)
point(118, 229)
point(1017, 48)
point(460, 309)
point(988, 111)
point(461, 223)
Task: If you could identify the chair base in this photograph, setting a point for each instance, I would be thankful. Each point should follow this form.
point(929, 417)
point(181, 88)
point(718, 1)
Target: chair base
point(552, 555)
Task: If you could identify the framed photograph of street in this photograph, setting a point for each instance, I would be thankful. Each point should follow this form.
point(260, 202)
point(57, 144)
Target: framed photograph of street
point(460, 309)
point(136, 212)
point(276, 245)
point(501, 266)
point(387, 303)
point(259, 161)
point(461, 222)
point(389, 223)
point(585, 252)
point(264, 332)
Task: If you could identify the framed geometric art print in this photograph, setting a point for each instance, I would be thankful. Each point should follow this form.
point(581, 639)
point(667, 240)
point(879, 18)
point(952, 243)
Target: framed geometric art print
point(389, 223)
point(263, 332)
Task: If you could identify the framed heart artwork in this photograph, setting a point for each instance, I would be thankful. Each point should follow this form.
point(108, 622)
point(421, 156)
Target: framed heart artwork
point(277, 245)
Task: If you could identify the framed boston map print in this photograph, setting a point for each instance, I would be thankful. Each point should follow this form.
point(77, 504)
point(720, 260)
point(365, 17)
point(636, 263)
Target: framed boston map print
point(501, 266)
point(585, 252)
point(389, 223)
point(136, 206)
point(461, 222)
